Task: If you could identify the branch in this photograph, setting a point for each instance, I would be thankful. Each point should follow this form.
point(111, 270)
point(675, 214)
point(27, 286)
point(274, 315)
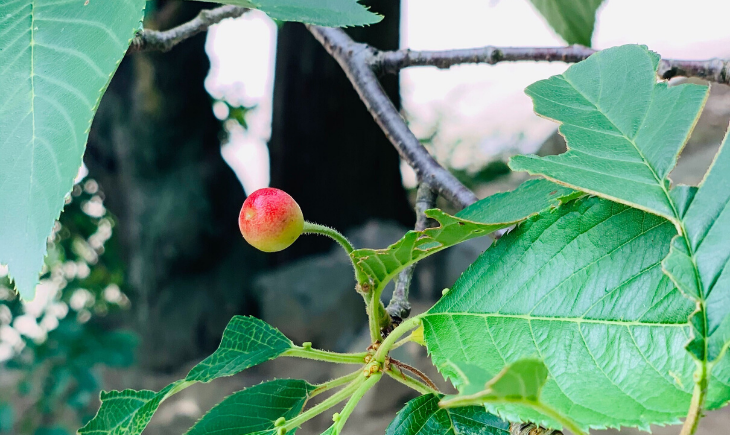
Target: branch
point(715, 70)
point(399, 307)
point(356, 60)
point(531, 429)
point(147, 40)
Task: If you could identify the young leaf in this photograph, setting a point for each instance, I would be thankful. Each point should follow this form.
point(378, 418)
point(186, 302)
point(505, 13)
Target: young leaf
point(256, 409)
point(623, 129)
point(329, 13)
point(580, 287)
point(246, 342)
point(573, 20)
point(698, 263)
point(55, 63)
point(479, 219)
point(423, 416)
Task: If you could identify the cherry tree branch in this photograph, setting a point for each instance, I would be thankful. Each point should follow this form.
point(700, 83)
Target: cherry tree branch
point(148, 40)
point(399, 307)
point(356, 60)
point(715, 70)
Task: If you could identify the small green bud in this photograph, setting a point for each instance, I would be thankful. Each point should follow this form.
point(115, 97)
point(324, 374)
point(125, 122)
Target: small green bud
point(336, 417)
point(281, 421)
point(444, 291)
point(281, 431)
point(307, 345)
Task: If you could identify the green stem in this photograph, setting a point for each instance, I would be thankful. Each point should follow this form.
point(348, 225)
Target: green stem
point(352, 403)
point(698, 401)
point(397, 333)
point(325, 405)
point(402, 342)
point(312, 228)
point(378, 318)
point(411, 382)
point(334, 383)
point(323, 355)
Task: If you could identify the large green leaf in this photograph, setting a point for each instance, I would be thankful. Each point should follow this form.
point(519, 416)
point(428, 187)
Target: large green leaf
point(573, 20)
point(57, 58)
point(330, 13)
point(246, 342)
point(698, 263)
point(623, 129)
point(479, 219)
point(423, 416)
point(256, 409)
point(582, 289)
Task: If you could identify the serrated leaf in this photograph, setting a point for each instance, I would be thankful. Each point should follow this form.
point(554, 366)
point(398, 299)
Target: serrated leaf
point(55, 63)
point(479, 219)
point(698, 264)
point(254, 410)
point(127, 412)
point(329, 13)
point(582, 289)
point(246, 342)
point(573, 20)
point(423, 416)
point(623, 129)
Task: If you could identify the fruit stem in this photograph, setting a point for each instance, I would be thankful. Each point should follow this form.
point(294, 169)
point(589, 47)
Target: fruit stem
point(312, 228)
point(698, 400)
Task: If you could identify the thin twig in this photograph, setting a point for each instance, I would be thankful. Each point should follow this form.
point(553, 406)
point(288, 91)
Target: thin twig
point(147, 40)
point(356, 60)
point(399, 308)
point(715, 70)
point(415, 371)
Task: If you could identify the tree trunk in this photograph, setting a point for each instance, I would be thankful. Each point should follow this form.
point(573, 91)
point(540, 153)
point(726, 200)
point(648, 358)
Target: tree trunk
point(325, 148)
point(155, 149)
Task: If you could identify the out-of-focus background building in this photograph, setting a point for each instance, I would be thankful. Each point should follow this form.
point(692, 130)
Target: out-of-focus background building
point(146, 265)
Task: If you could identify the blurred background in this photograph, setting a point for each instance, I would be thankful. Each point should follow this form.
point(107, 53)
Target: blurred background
point(146, 265)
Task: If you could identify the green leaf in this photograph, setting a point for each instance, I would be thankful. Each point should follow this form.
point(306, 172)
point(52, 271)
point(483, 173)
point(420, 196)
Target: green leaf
point(246, 342)
point(479, 219)
point(623, 129)
point(329, 13)
point(56, 61)
point(256, 409)
point(127, 412)
point(582, 289)
point(423, 416)
point(698, 263)
point(573, 20)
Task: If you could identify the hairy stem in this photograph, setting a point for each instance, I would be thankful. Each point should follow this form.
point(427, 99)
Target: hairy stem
point(334, 383)
point(352, 403)
point(393, 337)
point(312, 228)
point(698, 401)
point(323, 355)
point(326, 404)
point(410, 382)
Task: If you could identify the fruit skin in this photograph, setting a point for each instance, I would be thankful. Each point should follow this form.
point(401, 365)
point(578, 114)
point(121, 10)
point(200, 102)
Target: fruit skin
point(270, 220)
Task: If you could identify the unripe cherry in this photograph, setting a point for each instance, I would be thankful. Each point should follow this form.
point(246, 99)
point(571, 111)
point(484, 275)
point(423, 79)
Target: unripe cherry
point(270, 220)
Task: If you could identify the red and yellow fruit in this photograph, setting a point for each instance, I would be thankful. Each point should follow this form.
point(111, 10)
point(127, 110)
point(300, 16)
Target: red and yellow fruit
point(270, 220)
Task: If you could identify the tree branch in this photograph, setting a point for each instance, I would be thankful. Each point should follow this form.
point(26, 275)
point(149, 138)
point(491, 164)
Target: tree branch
point(399, 307)
point(715, 70)
point(356, 60)
point(147, 40)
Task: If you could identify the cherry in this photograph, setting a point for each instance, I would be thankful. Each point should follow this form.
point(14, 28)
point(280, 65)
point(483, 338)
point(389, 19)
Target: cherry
point(270, 220)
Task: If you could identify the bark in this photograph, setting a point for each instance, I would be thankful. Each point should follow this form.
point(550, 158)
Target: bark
point(155, 149)
point(326, 151)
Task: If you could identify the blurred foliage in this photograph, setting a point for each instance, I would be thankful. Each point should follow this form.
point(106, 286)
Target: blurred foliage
point(52, 347)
